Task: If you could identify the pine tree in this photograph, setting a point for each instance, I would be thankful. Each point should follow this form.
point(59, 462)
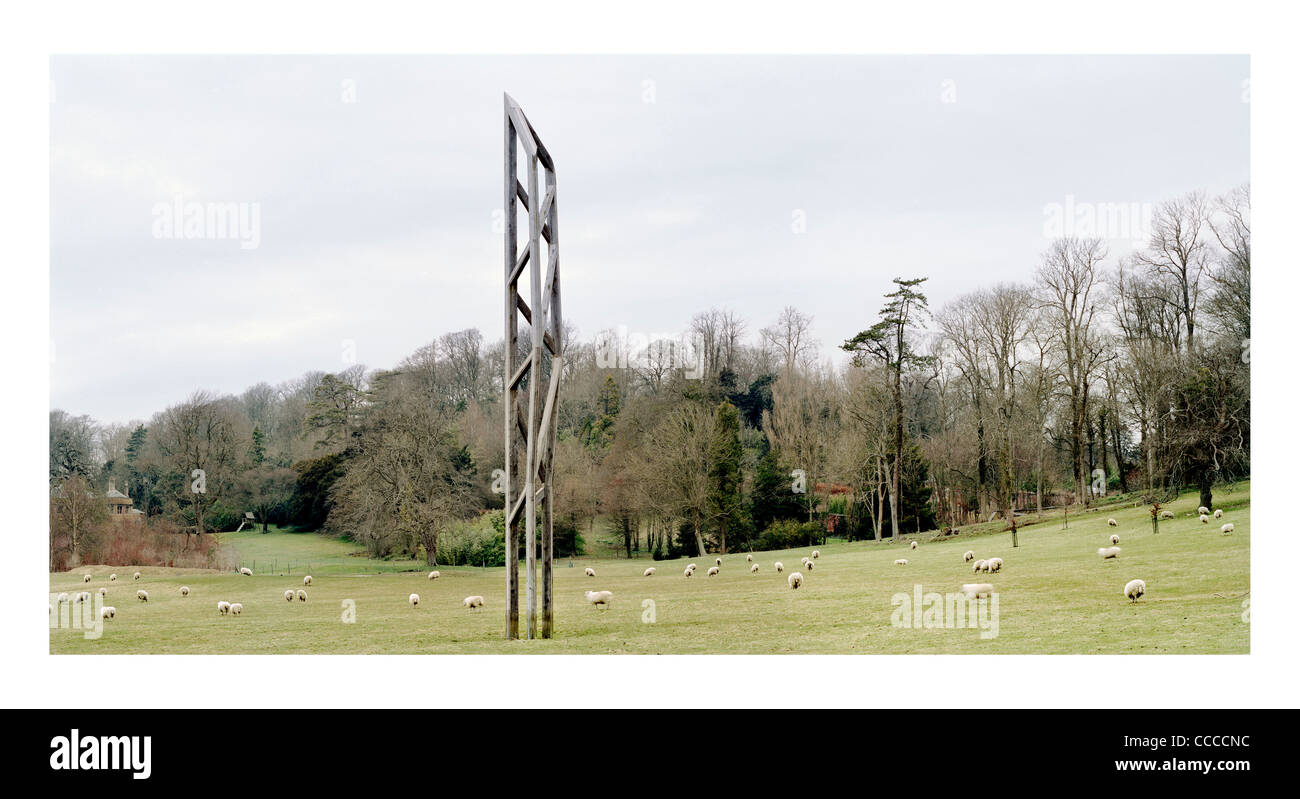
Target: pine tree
point(724, 500)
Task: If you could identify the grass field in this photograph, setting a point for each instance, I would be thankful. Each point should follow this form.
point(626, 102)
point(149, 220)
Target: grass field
point(1054, 596)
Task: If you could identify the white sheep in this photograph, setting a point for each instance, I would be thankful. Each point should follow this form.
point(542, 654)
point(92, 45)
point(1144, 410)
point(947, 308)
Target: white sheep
point(599, 598)
point(472, 602)
point(692, 567)
point(1114, 539)
point(62, 597)
point(809, 565)
point(969, 556)
point(795, 580)
point(978, 566)
point(185, 590)
point(1112, 523)
point(688, 571)
point(1205, 519)
point(780, 567)
point(107, 612)
point(302, 595)
point(236, 609)
point(977, 590)
point(433, 575)
point(901, 562)
point(804, 561)
point(288, 595)
point(142, 595)
point(1107, 553)
point(993, 565)
point(1204, 511)
point(713, 571)
point(306, 580)
point(84, 596)
point(1135, 589)
point(749, 558)
point(85, 578)
point(103, 592)
point(913, 545)
point(223, 607)
point(1218, 513)
point(1227, 528)
point(648, 572)
point(590, 572)
point(112, 577)
point(136, 576)
point(414, 599)
point(719, 562)
point(1166, 514)
point(244, 570)
point(817, 553)
point(753, 569)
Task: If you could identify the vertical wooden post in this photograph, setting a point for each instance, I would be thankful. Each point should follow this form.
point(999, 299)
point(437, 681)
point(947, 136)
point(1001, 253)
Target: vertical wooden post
point(512, 335)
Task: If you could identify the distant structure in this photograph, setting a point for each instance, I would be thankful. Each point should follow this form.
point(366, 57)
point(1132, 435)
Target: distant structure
point(120, 506)
point(530, 432)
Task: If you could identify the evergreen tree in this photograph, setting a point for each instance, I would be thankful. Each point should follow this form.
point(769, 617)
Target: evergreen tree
point(724, 501)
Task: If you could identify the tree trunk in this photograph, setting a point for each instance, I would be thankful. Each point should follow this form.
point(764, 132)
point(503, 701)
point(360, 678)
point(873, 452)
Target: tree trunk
point(699, 539)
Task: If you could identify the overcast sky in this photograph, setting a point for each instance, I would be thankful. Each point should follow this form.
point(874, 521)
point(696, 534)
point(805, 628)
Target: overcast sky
point(749, 183)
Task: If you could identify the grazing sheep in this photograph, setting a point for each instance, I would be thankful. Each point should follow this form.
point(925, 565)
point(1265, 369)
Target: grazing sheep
point(61, 598)
point(804, 561)
point(103, 592)
point(713, 570)
point(1114, 539)
point(85, 578)
point(719, 562)
point(1107, 553)
point(817, 553)
point(753, 569)
point(306, 580)
point(1227, 528)
point(84, 596)
point(749, 558)
point(1205, 519)
point(692, 567)
point(288, 595)
point(107, 612)
point(913, 545)
point(688, 571)
point(433, 575)
point(996, 563)
point(1135, 589)
point(1204, 511)
point(223, 607)
point(1112, 523)
point(142, 595)
point(901, 562)
point(599, 597)
point(648, 572)
point(1218, 513)
point(977, 590)
point(137, 576)
point(978, 566)
point(809, 564)
point(795, 580)
point(414, 599)
point(112, 577)
point(236, 609)
point(968, 557)
point(185, 590)
point(590, 572)
point(244, 570)
point(780, 567)
point(1166, 514)
point(302, 595)
point(472, 602)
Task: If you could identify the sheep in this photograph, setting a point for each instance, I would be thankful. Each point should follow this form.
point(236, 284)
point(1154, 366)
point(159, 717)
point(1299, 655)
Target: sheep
point(61, 598)
point(1204, 511)
point(810, 565)
point(719, 562)
point(1205, 519)
point(306, 580)
point(1135, 589)
point(978, 566)
point(1166, 514)
point(1227, 528)
point(749, 558)
point(472, 602)
point(901, 562)
point(1107, 553)
point(969, 556)
point(650, 572)
point(85, 578)
point(590, 572)
point(142, 595)
point(804, 561)
point(236, 609)
point(1112, 523)
point(753, 569)
point(795, 580)
point(136, 576)
point(302, 595)
point(244, 570)
point(692, 567)
point(1218, 513)
point(598, 598)
point(433, 575)
point(817, 553)
point(687, 572)
point(103, 592)
point(112, 577)
point(84, 596)
point(414, 599)
point(913, 545)
point(185, 590)
point(1114, 539)
point(993, 565)
point(713, 571)
point(107, 612)
point(288, 595)
point(780, 567)
point(223, 607)
point(977, 590)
